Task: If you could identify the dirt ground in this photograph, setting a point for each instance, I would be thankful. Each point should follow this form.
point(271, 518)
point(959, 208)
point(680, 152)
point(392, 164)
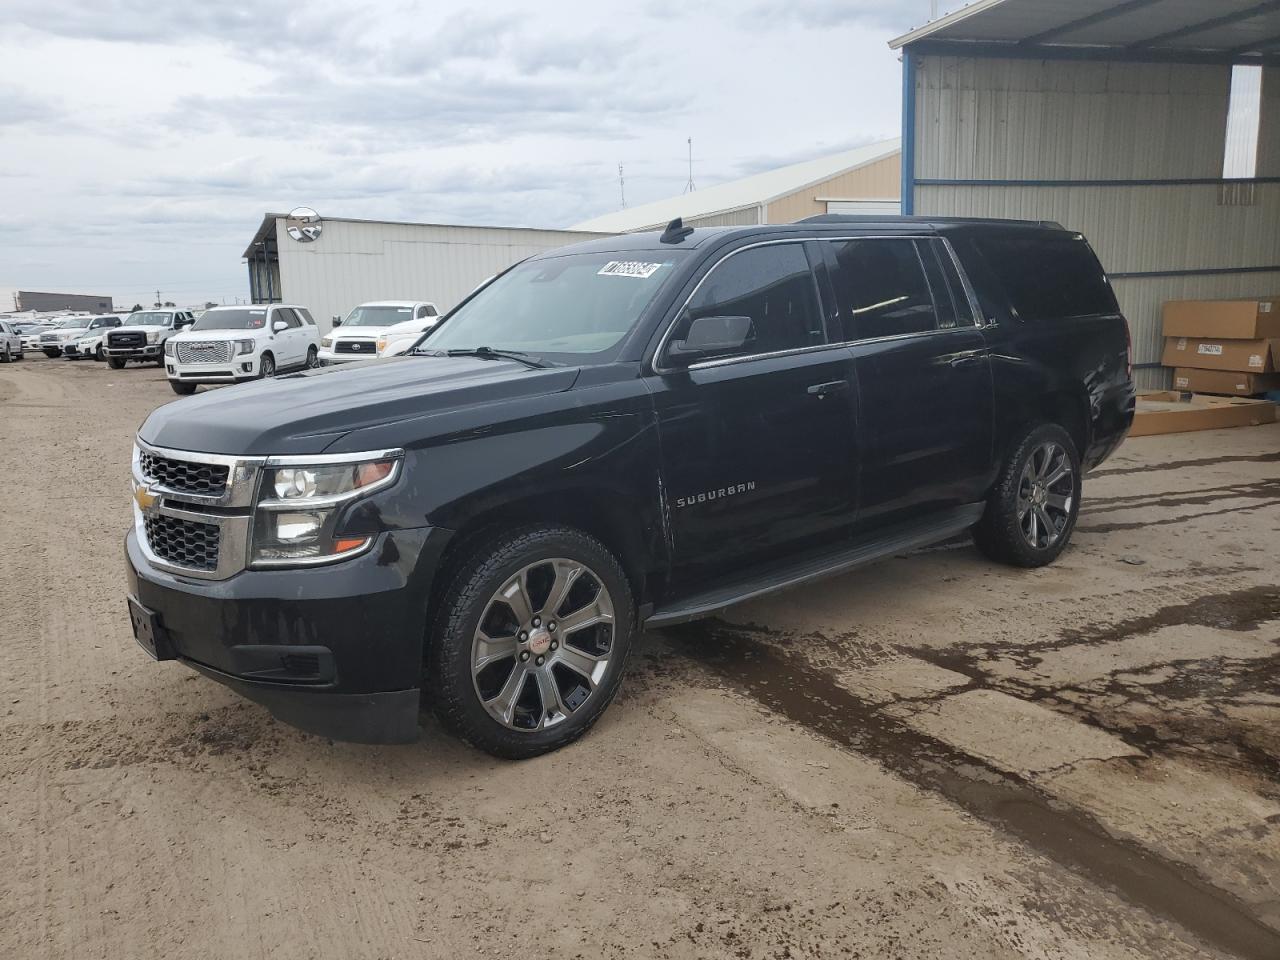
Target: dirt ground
point(932, 757)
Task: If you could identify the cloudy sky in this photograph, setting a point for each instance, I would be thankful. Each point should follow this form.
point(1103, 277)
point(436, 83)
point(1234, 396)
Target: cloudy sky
point(142, 140)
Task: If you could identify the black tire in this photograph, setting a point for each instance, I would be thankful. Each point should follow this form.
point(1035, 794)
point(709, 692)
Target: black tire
point(1030, 515)
point(182, 389)
point(116, 363)
point(52, 354)
point(266, 366)
point(99, 355)
point(8, 354)
point(472, 590)
point(313, 358)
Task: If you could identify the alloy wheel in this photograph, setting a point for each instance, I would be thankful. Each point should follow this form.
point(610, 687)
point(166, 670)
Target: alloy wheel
point(268, 368)
point(1046, 493)
point(543, 644)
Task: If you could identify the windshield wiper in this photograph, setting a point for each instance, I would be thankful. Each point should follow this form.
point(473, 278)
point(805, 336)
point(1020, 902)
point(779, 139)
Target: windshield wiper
point(488, 353)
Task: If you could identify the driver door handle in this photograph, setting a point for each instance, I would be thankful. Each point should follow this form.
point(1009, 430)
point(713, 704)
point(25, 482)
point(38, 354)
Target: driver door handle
point(828, 389)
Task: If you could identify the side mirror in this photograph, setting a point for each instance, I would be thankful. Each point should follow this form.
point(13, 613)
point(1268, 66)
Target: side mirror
point(337, 320)
point(708, 336)
point(279, 326)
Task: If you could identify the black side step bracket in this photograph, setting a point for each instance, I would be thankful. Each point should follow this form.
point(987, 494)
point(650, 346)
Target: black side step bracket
point(813, 566)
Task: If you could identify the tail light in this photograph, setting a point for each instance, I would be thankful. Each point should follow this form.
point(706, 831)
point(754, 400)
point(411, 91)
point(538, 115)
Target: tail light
point(1128, 351)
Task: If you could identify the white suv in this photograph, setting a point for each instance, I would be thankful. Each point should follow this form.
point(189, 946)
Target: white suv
point(358, 337)
point(230, 344)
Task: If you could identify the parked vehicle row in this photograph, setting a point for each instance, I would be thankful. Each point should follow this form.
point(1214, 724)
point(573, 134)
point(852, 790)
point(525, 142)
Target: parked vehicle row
point(226, 344)
point(628, 433)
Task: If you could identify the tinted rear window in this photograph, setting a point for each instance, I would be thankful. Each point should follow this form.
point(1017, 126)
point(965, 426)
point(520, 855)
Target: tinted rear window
point(1049, 277)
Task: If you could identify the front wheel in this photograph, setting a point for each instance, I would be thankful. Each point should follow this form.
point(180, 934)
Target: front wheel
point(8, 354)
point(1032, 510)
point(182, 389)
point(116, 363)
point(531, 641)
point(267, 367)
point(99, 355)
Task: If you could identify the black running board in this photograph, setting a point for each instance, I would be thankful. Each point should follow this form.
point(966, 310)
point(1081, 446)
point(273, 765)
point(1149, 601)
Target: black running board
point(814, 566)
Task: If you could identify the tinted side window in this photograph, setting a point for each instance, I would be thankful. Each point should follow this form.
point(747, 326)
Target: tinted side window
point(305, 314)
point(1048, 277)
point(773, 286)
point(288, 316)
point(881, 289)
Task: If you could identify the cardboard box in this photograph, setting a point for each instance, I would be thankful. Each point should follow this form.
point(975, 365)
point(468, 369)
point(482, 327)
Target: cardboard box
point(1223, 319)
point(1225, 382)
point(1248, 356)
point(1171, 412)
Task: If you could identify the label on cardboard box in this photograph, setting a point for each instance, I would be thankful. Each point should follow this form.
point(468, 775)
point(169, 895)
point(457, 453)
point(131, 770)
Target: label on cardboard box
point(1264, 306)
point(1210, 349)
point(1254, 361)
point(1182, 382)
point(1182, 343)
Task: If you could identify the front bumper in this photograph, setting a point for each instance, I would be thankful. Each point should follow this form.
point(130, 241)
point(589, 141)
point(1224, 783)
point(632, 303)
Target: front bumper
point(333, 650)
point(329, 357)
point(238, 368)
point(148, 352)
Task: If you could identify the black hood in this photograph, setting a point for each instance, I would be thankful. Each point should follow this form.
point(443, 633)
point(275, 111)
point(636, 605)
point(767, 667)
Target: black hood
point(306, 412)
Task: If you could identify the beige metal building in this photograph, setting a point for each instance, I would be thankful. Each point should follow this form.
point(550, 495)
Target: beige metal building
point(355, 261)
point(1110, 117)
point(864, 180)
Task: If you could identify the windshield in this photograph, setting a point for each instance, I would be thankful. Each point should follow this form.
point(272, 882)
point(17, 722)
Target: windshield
point(78, 322)
point(246, 318)
point(147, 319)
point(580, 304)
point(377, 316)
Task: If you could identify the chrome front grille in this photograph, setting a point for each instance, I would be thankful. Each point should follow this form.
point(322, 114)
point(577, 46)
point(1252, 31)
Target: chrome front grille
point(184, 543)
point(203, 351)
point(184, 476)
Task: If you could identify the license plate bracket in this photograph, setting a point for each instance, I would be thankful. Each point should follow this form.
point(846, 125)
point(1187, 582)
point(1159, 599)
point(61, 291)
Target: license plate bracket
point(148, 632)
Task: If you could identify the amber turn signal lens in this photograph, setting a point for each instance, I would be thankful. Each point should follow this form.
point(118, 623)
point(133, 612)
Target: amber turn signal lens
point(368, 473)
point(348, 543)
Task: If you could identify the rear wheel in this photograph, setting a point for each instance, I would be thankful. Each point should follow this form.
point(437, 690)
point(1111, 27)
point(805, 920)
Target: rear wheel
point(182, 389)
point(116, 363)
point(531, 641)
point(313, 358)
point(1032, 510)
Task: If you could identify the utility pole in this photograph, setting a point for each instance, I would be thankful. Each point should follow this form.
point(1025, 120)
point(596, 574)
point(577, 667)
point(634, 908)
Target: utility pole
point(689, 187)
point(622, 187)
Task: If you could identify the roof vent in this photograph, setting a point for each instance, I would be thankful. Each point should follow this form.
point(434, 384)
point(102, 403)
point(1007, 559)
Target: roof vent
point(676, 231)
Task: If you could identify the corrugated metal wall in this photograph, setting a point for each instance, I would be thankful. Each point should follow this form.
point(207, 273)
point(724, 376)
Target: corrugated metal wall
point(356, 261)
point(1019, 120)
point(745, 217)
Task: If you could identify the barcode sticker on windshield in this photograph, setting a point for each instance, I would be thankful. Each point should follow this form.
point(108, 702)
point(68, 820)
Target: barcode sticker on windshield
point(628, 268)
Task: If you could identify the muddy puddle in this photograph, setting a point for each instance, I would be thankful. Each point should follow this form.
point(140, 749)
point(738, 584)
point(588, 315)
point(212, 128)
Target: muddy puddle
point(788, 685)
point(1187, 464)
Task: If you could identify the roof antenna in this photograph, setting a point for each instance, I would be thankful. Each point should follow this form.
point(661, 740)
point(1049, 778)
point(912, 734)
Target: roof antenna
point(676, 231)
point(689, 187)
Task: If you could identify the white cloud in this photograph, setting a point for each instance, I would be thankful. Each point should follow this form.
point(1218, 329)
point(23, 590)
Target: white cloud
point(143, 141)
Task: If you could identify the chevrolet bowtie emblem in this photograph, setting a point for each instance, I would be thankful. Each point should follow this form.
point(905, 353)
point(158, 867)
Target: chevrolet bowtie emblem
point(143, 497)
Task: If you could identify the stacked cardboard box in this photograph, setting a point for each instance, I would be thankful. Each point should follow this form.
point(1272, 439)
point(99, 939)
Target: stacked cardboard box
point(1229, 347)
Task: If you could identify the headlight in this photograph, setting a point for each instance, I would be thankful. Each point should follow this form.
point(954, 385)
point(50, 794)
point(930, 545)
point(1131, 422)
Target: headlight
point(168, 348)
point(245, 346)
point(326, 342)
point(153, 336)
point(300, 506)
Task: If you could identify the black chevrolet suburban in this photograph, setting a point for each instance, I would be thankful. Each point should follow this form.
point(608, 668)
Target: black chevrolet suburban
point(624, 434)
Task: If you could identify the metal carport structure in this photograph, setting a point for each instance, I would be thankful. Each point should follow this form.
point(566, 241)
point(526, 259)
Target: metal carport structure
point(1110, 118)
